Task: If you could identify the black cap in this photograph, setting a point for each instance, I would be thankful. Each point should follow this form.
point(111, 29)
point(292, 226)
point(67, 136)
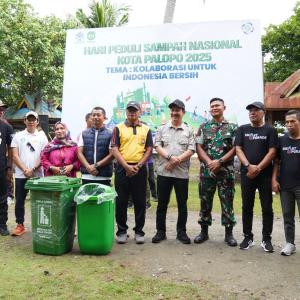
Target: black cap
point(256, 104)
point(177, 103)
point(134, 105)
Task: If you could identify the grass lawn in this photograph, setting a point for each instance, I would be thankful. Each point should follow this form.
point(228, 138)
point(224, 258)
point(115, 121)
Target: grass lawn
point(25, 275)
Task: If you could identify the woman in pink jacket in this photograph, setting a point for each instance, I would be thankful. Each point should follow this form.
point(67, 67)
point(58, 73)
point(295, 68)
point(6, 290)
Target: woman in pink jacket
point(59, 157)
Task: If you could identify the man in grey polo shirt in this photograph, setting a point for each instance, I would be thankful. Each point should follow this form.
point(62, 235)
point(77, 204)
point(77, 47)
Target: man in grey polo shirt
point(175, 144)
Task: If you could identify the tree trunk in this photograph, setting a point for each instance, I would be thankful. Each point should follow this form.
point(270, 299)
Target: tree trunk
point(169, 11)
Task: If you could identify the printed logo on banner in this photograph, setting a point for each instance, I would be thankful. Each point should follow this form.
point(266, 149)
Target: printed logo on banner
point(247, 28)
point(91, 35)
point(44, 215)
point(79, 37)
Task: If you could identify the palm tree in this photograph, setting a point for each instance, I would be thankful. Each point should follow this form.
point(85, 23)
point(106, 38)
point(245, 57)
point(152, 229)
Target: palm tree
point(103, 14)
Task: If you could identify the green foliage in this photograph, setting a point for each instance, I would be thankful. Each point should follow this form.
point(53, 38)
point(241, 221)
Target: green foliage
point(31, 52)
point(103, 14)
point(281, 47)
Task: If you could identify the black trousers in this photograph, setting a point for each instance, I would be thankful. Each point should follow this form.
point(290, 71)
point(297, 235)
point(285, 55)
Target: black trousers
point(21, 194)
point(3, 199)
point(151, 180)
point(136, 187)
point(264, 186)
point(288, 199)
point(164, 189)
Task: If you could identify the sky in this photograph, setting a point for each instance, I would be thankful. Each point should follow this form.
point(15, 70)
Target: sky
point(151, 12)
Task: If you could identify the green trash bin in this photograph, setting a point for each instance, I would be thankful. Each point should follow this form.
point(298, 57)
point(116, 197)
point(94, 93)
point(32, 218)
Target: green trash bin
point(95, 218)
point(53, 213)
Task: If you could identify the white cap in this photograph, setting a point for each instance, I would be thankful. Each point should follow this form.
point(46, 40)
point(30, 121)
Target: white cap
point(32, 113)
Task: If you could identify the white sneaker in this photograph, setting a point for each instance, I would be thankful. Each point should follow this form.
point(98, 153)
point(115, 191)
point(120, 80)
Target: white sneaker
point(139, 239)
point(288, 249)
point(122, 238)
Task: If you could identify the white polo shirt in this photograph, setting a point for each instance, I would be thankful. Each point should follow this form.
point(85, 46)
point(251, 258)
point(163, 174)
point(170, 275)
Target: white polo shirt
point(26, 142)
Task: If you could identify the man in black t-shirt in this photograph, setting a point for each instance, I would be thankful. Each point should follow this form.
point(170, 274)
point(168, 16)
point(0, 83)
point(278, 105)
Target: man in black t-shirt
point(287, 166)
point(5, 168)
point(256, 145)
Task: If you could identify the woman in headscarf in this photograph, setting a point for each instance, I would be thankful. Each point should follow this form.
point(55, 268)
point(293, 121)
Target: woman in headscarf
point(59, 157)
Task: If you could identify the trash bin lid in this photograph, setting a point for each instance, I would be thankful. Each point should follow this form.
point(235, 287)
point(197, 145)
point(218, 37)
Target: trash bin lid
point(53, 183)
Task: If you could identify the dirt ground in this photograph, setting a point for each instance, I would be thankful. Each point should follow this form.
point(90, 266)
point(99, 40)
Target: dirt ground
point(249, 274)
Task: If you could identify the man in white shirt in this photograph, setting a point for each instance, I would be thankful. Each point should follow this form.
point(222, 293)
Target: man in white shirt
point(26, 149)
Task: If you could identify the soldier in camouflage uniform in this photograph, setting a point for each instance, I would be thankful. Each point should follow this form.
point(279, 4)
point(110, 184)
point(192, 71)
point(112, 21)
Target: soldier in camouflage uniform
point(215, 149)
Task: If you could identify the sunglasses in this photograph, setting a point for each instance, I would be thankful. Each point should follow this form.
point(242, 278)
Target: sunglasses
point(30, 147)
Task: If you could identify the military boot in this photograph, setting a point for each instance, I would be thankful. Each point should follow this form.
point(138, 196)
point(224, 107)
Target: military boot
point(229, 238)
point(202, 236)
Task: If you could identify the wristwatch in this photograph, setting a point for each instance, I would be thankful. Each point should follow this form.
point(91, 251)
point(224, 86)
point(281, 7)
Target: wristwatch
point(221, 161)
point(247, 165)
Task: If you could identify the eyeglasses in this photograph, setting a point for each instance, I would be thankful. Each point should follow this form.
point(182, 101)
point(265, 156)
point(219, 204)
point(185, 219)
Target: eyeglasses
point(30, 147)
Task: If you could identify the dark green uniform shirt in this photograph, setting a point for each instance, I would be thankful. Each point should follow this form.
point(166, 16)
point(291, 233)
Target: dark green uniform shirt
point(217, 139)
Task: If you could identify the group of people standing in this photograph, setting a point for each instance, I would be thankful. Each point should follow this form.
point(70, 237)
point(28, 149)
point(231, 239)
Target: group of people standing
point(266, 163)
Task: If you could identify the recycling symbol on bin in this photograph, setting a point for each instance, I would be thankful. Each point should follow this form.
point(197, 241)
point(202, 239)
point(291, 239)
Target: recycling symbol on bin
point(44, 213)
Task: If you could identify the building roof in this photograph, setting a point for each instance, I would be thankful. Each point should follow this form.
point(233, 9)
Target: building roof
point(283, 95)
point(30, 102)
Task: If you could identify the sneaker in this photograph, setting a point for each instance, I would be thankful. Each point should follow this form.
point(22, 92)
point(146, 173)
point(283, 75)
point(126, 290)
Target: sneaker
point(10, 200)
point(267, 246)
point(139, 239)
point(183, 238)
point(246, 243)
point(20, 229)
point(288, 249)
point(159, 236)
point(4, 231)
point(122, 238)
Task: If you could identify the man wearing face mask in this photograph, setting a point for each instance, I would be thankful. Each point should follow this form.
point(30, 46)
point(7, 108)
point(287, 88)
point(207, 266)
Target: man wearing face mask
point(175, 144)
point(26, 149)
point(256, 145)
point(131, 146)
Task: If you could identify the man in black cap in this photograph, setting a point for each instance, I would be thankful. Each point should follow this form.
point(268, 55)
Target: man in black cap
point(131, 146)
point(175, 144)
point(256, 145)
point(5, 167)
